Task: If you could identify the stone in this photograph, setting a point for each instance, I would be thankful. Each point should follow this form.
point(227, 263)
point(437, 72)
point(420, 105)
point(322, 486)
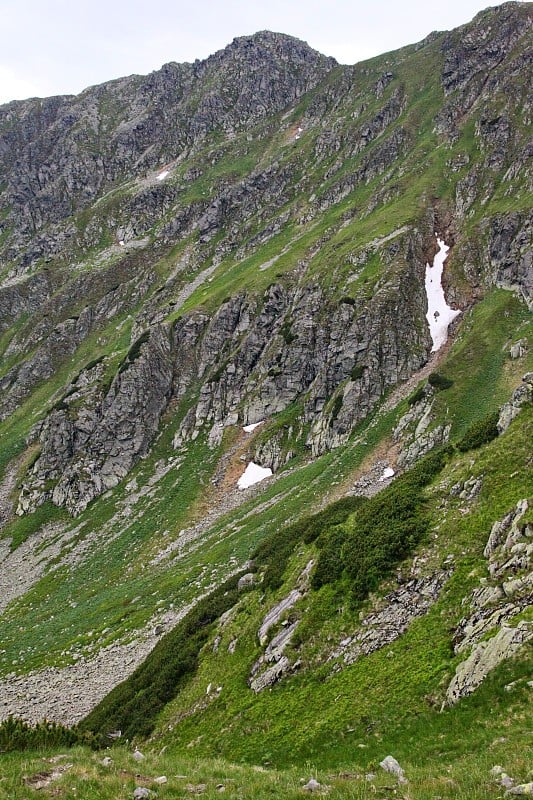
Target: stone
point(246, 581)
point(141, 792)
point(522, 790)
point(138, 756)
point(389, 764)
point(312, 785)
point(107, 761)
point(161, 779)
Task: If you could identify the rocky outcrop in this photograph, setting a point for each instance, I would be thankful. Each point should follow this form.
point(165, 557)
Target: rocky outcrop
point(398, 610)
point(89, 448)
point(522, 396)
point(496, 604)
point(273, 663)
point(60, 153)
point(485, 657)
point(510, 254)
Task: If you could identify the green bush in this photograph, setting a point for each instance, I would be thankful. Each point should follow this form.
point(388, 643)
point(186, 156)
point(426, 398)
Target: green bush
point(439, 381)
point(382, 532)
point(273, 553)
point(15, 734)
point(480, 432)
point(418, 395)
point(330, 564)
point(347, 300)
point(357, 372)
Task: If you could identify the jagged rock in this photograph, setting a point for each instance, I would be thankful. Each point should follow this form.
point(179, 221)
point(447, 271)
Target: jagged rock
point(400, 608)
point(484, 658)
point(276, 613)
point(312, 785)
point(245, 581)
point(505, 532)
point(523, 789)
point(520, 397)
point(389, 764)
point(141, 792)
point(518, 349)
point(270, 675)
point(138, 756)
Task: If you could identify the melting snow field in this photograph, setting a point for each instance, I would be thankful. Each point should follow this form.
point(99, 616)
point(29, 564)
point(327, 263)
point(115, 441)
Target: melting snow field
point(162, 175)
point(388, 472)
point(253, 474)
point(252, 426)
point(439, 314)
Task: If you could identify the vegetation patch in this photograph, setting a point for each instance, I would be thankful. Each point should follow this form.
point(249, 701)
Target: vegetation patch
point(480, 432)
point(382, 532)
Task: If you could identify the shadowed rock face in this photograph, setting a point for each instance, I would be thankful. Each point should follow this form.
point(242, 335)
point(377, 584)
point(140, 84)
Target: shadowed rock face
point(87, 234)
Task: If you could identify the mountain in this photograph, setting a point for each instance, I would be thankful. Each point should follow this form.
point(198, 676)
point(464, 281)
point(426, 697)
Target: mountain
point(236, 262)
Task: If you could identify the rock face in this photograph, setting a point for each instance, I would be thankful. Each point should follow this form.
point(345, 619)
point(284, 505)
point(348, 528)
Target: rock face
point(399, 609)
point(47, 147)
point(121, 206)
point(91, 450)
point(496, 603)
point(521, 396)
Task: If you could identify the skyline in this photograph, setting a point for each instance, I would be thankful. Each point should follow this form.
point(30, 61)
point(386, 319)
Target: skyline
point(62, 48)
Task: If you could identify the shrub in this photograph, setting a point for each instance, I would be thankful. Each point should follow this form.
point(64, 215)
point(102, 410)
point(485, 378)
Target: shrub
point(357, 372)
point(480, 432)
point(286, 332)
point(274, 552)
point(349, 301)
point(439, 381)
point(330, 564)
point(15, 734)
point(417, 396)
point(383, 531)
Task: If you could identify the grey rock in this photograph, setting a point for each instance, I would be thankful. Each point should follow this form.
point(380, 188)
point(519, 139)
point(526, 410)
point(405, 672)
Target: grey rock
point(141, 792)
point(522, 395)
point(312, 785)
point(389, 764)
point(246, 581)
point(399, 609)
point(484, 658)
point(523, 789)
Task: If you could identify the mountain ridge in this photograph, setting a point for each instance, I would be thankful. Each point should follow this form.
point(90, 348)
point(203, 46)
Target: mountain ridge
point(192, 271)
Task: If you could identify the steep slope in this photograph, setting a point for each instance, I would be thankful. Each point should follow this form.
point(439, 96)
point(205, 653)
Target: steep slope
point(239, 241)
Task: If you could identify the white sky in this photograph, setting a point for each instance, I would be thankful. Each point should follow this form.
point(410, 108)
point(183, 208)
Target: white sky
point(62, 46)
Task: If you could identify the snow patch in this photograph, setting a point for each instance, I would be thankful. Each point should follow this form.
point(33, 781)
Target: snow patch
point(162, 175)
point(439, 314)
point(388, 472)
point(252, 426)
point(253, 474)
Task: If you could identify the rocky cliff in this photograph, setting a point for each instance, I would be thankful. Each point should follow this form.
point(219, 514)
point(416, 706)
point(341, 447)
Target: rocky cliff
point(219, 161)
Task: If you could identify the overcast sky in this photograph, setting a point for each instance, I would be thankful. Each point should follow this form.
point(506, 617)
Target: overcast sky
point(62, 46)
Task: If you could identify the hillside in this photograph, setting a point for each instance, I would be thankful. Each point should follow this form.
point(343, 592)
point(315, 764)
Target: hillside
point(234, 262)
